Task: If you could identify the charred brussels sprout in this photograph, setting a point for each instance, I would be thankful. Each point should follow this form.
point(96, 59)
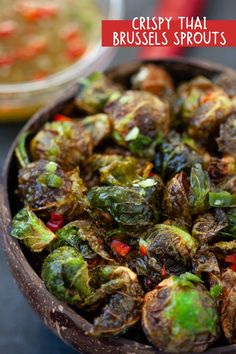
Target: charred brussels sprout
point(31, 231)
point(171, 246)
point(154, 79)
point(228, 310)
point(180, 315)
point(227, 138)
point(65, 274)
point(119, 170)
point(138, 119)
point(94, 92)
point(175, 156)
point(46, 188)
point(67, 143)
point(204, 106)
point(123, 296)
point(220, 169)
point(85, 237)
point(175, 203)
point(129, 206)
point(208, 226)
point(98, 126)
point(228, 83)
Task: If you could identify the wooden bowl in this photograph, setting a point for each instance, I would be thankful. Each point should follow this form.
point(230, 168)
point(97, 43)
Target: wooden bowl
point(58, 316)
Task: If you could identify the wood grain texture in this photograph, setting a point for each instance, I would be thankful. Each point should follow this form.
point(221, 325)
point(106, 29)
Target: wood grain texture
point(59, 317)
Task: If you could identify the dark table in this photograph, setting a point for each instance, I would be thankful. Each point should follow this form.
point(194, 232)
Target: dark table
point(21, 331)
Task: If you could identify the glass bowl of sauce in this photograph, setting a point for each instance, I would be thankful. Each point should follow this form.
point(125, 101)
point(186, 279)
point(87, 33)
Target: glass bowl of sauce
point(46, 45)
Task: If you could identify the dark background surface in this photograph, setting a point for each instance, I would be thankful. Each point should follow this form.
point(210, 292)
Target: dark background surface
point(21, 331)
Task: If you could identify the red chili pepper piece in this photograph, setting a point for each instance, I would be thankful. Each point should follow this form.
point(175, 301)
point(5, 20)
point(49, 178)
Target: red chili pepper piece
point(7, 28)
point(56, 222)
point(151, 174)
point(233, 267)
point(121, 248)
point(230, 258)
point(75, 49)
point(36, 13)
point(61, 118)
point(163, 271)
point(143, 250)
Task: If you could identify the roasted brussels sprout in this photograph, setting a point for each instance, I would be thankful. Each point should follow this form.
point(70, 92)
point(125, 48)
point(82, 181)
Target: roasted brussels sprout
point(228, 83)
point(99, 126)
point(119, 170)
point(180, 316)
point(205, 261)
point(46, 188)
point(67, 143)
point(65, 274)
point(171, 246)
point(227, 138)
point(138, 118)
point(228, 309)
point(220, 169)
point(21, 151)
point(94, 92)
point(31, 231)
point(204, 106)
point(175, 156)
point(175, 203)
point(129, 206)
point(208, 226)
point(154, 79)
point(85, 237)
point(119, 285)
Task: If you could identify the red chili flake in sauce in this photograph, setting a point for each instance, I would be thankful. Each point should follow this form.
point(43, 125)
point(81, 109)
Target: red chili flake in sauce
point(39, 75)
point(121, 248)
point(61, 118)
point(75, 49)
point(37, 12)
point(32, 49)
point(143, 250)
point(6, 60)
point(56, 222)
point(7, 28)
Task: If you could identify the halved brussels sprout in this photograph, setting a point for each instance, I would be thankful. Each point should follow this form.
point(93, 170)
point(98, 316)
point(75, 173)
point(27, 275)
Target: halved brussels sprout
point(204, 106)
point(205, 261)
point(175, 203)
point(124, 299)
point(227, 138)
point(208, 226)
point(135, 206)
point(168, 250)
point(46, 188)
point(180, 316)
point(94, 92)
point(65, 274)
point(138, 118)
point(219, 169)
point(67, 143)
point(175, 156)
point(85, 237)
point(31, 231)
point(99, 126)
point(154, 79)
point(119, 170)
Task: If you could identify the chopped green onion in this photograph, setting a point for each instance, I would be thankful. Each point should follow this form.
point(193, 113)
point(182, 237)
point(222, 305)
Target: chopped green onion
point(220, 199)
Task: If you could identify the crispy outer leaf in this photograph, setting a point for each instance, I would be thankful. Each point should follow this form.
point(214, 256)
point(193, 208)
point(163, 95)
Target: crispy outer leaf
point(31, 231)
point(199, 188)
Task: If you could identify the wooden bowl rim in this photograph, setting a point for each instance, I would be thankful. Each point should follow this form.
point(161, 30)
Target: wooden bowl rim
point(57, 315)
